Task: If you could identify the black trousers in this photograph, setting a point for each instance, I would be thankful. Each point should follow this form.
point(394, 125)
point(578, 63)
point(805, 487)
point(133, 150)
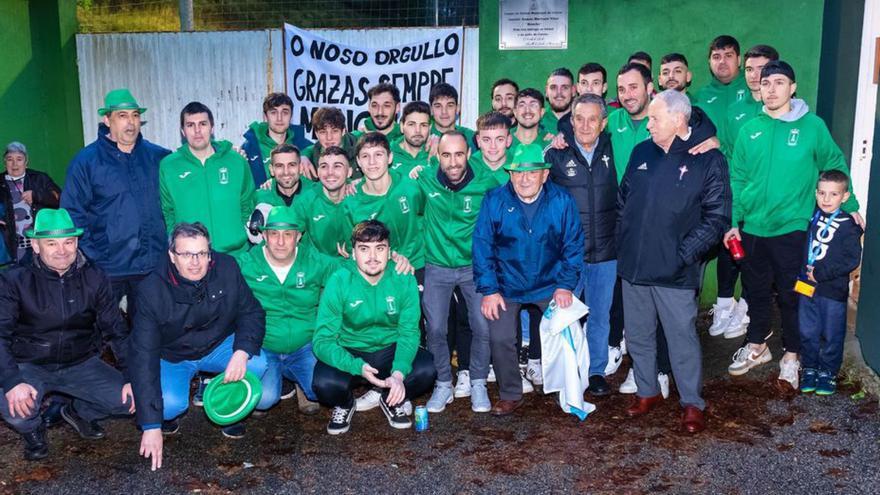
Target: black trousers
point(459, 335)
point(773, 260)
point(334, 386)
point(727, 271)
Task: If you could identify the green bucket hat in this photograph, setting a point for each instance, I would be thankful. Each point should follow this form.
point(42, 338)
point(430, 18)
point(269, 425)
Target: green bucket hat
point(282, 218)
point(53, 224)
point(527, 157)
point(120, 99)
point(229, 403)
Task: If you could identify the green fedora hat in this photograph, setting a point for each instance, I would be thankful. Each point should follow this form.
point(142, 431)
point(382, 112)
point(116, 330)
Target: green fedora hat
point(52, 224)
point(229, 403)
point(527, 157)
point(282, 218)
point(120, 99)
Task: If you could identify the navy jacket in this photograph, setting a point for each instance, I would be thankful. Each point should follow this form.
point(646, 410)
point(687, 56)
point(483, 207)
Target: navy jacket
point(593, 185)
point(56, 321)
point(255, 158)
point(674, 207)
point(177, 320)
point(526, 261)
point(841, 253)
point(114, 196)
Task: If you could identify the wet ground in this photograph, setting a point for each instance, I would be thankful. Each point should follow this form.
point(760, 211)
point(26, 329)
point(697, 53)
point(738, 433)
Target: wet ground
point(760, 439)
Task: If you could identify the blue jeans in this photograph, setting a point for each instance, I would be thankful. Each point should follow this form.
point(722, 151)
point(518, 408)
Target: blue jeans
point(298, 366)
point(822, 330)
point(176, 377)
point(596, 290)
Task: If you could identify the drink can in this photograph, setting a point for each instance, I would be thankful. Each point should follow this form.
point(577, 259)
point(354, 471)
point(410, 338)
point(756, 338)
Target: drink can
point(736, 249)
point(421, 415)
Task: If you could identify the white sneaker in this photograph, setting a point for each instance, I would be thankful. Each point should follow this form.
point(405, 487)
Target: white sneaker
point(440, 398)
point(533, 372)
point(663, 380)
point(463, 384)
point(739, 321)
point(744, 360)
point(491, 377)
point(526, 384)
point(721, 317)
point(788, 372)
point(615, 357)
point(369, 400)
point(629, 385)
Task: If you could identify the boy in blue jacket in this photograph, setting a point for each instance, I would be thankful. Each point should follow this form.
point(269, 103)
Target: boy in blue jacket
point(833, 251)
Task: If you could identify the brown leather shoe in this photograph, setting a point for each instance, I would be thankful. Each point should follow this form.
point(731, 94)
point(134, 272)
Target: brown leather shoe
point(505, 407)
point(692, 420)
point(642, 405)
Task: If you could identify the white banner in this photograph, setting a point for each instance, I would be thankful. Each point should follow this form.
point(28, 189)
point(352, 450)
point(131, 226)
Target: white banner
point(320, 72)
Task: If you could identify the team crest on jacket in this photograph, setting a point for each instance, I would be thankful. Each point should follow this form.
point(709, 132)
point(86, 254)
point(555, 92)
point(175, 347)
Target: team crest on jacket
point(404, 205)
point(571, 168)
point(300, 280)
point(391, 304)
point(740, 94)
point(468, 204)
point(793, 136)
point(224, 175)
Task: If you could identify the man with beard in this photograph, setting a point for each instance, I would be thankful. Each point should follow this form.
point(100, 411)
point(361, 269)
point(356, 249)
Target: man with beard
point(286, 184)
point(504, 98)
point(529, 111)
point(727, 86)
point(383, 104)
point(409, 150)
point(444, 111)
point(319, 210)
point(559, 92)
point(275, 129)
point(207, 181)
point(674, 73)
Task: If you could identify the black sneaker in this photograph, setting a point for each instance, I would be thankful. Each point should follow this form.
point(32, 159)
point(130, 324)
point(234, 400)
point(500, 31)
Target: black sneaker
point(340, 420)
point(235, 431)
point(396, 415)
point(598, 386)
point(198, 397)
point(90, 430)
point(52, 415)
point(288, 389)
point(35, 446)
point(170, 427)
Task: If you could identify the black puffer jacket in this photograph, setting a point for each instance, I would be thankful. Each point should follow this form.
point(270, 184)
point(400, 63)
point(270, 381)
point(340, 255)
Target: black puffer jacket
point(594, 188)
point(46, 194)
point(178, 320)
point(56, 321)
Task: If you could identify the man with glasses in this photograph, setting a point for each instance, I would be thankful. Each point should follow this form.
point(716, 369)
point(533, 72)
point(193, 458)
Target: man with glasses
point(196, 314)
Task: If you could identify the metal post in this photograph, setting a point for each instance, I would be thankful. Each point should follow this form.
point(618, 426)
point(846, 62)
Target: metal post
point(436, 12)
point(186, 15)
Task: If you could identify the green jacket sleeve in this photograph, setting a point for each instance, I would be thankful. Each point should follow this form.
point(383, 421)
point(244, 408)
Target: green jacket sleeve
point(407, 326)
point(738, 176)
point(248, 193)
point(829, 157)
point(325, 342)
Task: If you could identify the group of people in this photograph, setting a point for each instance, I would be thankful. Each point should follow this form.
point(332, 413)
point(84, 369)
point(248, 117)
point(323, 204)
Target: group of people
point(386, 256)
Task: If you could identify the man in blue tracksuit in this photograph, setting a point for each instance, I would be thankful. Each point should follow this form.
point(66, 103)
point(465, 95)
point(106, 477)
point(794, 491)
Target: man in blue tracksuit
point(528, 248)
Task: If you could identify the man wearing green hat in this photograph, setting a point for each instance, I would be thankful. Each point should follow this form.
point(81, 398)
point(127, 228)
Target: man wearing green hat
point(207, 181)
point(112, 191)
point(54, 314)
point(528, 249)
point(196, 314)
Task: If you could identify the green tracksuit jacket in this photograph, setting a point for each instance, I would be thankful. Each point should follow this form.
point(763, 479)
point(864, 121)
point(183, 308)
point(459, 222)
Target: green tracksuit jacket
point(402, 161)
point(625, 135)
point(738, 115)
point(480, 168)
point(325, 223)
point(220, 193)
point(715, 99)
point(291, 306)
point(392, 135)
point(353, 314)
point(776, 164)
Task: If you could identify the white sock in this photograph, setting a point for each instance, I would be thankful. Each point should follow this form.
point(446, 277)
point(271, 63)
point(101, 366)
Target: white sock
point(726, 302)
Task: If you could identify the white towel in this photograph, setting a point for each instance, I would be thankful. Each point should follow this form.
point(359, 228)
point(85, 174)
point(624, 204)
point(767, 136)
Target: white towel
point(565, 357)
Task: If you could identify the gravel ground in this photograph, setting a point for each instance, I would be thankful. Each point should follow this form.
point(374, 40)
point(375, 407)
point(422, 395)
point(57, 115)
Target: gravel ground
point(760, 439)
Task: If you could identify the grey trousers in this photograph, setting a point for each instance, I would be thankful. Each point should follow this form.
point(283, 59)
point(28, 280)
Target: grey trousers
point(439, 284)
point(502, 337)
point(677, 310)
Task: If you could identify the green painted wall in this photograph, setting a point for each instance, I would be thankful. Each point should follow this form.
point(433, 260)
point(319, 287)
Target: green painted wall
point(39, 85)
point(608, 31)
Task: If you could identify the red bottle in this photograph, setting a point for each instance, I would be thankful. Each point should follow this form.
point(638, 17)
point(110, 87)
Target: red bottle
point(736, 249)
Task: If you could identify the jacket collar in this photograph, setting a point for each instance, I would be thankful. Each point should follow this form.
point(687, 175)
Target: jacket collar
point(107, 143)
point(185, 291)
point(444, 180)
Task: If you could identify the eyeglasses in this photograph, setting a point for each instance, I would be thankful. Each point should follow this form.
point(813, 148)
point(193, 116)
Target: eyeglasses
point(201, 255)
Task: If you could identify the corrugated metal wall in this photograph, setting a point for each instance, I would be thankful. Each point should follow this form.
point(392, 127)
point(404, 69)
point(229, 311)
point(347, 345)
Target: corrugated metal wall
point(230, 71)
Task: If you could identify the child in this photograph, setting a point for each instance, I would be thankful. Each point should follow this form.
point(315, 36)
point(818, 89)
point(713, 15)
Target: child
point(833, 251)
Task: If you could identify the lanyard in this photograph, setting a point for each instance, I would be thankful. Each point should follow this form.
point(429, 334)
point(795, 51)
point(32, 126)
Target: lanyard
point(814, 251)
